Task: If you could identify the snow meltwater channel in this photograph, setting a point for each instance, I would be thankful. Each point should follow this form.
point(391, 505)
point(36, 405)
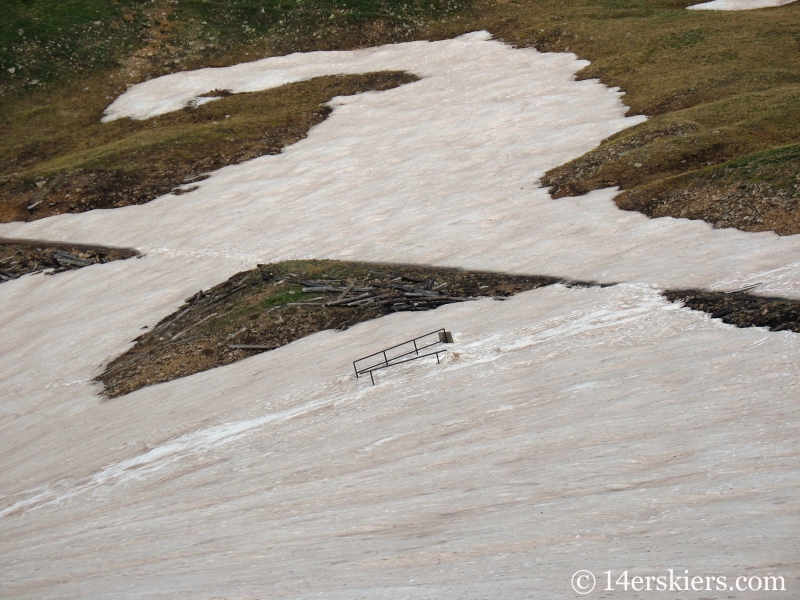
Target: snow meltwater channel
point(600, 428)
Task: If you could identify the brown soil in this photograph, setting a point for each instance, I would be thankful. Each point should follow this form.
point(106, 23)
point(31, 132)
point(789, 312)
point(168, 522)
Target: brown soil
point(741, 309)
point(276, 304)
point(21, 257)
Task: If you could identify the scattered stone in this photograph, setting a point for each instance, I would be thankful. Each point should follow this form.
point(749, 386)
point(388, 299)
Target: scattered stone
point(742, 309)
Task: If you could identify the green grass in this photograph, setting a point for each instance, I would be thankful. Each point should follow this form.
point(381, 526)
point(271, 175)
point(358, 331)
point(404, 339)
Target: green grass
point(249, 19)
point(43, 39)
point(777, 166)
point(293, 294)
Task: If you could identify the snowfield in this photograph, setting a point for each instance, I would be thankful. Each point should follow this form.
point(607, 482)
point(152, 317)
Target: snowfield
point(738, 4)
point(599, 428)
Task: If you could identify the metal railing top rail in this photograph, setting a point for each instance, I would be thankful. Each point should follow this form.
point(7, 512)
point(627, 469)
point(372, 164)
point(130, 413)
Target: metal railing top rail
point(384, 353)
point(387, 361)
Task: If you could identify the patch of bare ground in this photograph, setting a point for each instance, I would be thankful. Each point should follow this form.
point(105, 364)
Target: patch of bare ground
point(760, 192)
point(130, 162)
point(742, 309)
point(275, 304)
point(22, 257)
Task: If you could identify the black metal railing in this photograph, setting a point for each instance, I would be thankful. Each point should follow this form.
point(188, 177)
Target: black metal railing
point(413, 349)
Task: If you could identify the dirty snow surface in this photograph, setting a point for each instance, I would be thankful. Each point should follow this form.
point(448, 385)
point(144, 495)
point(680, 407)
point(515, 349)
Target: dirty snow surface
point(597, 428)
point(738, 4)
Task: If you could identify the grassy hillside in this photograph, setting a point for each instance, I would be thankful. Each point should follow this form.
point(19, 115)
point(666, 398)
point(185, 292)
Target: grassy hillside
point(107, 165)
point(721, 88)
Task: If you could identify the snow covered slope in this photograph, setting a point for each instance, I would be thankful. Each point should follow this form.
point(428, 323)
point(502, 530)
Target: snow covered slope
point(571, 428)
point(738, 4)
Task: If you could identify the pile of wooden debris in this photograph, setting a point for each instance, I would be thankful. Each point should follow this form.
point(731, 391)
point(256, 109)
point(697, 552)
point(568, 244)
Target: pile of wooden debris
point(399, 293)
point(22, 257)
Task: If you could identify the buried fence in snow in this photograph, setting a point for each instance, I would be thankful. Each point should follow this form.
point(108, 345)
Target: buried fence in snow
point(413, 349)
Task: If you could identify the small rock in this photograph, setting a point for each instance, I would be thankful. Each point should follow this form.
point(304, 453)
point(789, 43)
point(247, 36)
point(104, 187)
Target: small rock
point(39, 184)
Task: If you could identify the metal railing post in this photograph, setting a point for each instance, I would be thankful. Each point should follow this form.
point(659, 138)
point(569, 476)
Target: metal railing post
point(403, 356)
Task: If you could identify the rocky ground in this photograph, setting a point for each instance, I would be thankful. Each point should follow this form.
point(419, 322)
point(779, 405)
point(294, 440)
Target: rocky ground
point(22, 257)
point(758, 193)
point(742, 309)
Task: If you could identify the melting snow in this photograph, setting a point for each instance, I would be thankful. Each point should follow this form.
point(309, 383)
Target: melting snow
point(738, 4)
point(568, 428)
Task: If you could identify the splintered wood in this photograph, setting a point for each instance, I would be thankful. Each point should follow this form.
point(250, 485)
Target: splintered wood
point(24, 257)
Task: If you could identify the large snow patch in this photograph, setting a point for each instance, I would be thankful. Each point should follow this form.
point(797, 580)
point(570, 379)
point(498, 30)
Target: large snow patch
point(569, 429)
